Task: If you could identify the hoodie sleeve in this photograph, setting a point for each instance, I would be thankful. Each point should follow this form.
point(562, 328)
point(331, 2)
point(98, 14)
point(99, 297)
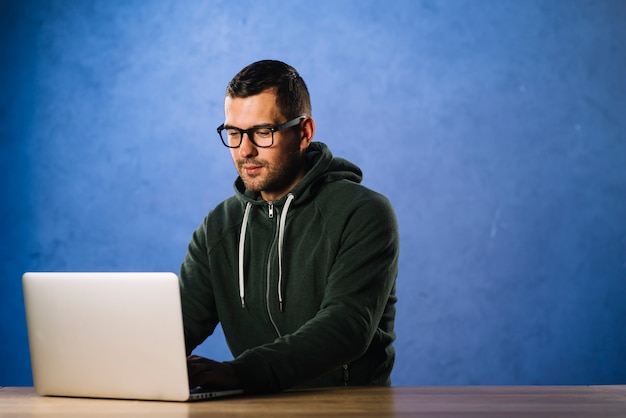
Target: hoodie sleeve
point(199, 312)
point(359, 293)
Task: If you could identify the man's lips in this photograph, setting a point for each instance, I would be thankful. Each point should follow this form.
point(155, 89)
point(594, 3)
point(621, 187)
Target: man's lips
point(251, 168)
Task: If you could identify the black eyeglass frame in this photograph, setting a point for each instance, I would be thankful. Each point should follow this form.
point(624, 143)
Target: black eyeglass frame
point(249, 131)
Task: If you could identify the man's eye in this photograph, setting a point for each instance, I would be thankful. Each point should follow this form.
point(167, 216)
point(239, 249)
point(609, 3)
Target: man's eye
point(263, 133)
point(232, 132)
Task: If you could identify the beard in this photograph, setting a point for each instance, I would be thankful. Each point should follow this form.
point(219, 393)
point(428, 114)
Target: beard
point(275, 177)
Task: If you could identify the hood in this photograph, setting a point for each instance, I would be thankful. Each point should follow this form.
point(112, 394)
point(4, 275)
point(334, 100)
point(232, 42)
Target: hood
point(324, 169)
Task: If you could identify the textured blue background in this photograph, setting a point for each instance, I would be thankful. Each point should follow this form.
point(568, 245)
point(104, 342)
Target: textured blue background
point(497, 129)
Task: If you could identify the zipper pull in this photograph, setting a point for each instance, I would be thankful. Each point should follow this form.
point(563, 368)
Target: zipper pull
point(270, 207)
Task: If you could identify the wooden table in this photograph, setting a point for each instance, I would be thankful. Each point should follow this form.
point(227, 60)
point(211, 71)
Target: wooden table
point(456, 401)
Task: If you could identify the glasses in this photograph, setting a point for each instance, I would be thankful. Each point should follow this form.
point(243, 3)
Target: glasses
point(261, 136)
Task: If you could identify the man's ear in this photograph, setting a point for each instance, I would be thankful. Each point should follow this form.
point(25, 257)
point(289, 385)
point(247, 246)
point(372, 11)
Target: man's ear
point(306, 133)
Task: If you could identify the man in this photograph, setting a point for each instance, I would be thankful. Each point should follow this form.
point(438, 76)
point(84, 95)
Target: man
point(299, 266)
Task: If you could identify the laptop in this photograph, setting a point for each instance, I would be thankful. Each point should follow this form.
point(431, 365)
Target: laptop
point(108, 335)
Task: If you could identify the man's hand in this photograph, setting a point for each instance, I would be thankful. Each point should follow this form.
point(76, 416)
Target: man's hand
point(211, 375)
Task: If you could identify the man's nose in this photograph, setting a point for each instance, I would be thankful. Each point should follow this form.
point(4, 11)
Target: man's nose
point(247, 147)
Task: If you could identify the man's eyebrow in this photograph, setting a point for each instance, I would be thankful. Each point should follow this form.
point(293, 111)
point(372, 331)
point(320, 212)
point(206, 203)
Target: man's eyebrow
point(261, 125)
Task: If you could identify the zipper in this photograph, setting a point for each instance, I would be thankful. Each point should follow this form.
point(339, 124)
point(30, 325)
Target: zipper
point(346, 374)
point(270, 209)
point(268, 279)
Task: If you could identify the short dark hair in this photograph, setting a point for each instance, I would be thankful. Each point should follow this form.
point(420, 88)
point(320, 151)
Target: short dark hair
point(292, 95)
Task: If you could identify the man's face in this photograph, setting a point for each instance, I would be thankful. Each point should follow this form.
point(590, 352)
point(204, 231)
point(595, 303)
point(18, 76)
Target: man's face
point(271, 171)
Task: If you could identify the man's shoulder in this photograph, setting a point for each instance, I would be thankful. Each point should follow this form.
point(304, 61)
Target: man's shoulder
point(352, 199)
point(225, 214)
point(356, 193)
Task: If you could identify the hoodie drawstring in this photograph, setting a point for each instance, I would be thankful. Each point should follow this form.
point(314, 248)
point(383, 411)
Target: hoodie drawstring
point(281, 238)
point(242, 243)
point(281, 234)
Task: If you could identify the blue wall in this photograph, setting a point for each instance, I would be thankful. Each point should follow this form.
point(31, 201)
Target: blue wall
point(497, 129)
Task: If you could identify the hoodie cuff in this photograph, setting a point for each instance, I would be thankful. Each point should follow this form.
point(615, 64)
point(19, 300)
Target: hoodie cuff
point(254, 374)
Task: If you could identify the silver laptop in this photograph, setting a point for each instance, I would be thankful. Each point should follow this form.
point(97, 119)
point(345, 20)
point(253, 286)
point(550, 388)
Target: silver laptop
point(108, 335)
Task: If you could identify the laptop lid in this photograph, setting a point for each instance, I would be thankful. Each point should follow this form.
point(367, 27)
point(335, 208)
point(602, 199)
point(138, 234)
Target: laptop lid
point(107, 335)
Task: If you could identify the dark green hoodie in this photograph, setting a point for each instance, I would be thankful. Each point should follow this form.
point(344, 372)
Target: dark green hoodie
point(304, 287)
